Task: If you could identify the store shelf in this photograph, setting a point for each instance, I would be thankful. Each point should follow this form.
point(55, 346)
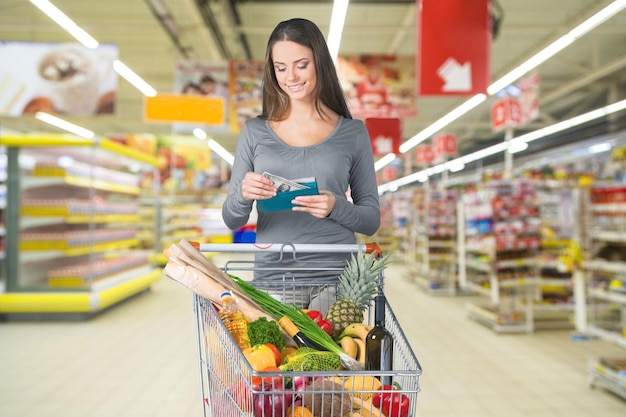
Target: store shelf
point(76, 302)
point(501, 322)
point(72, 225)
point(609, 373)
point(501, 239)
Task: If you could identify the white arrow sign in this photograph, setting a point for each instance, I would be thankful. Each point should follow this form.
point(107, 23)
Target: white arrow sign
point(383, 144)
point(457, 77)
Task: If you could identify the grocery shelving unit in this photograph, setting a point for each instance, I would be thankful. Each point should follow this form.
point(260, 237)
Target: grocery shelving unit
point(183, 215)
point(3, 204)
point(601, 281)
point(435, 237)
point(71, 235)
point(554, 307)
point(499, 251)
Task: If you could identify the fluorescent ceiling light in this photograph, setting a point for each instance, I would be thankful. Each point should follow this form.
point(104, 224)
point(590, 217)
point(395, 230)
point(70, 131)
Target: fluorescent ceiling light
point(517, 146)
point(199, 133)
point(130, 76)
point(66, 23)
point(223, 153)
point(215, 147)
point(600, 147)
point(443, 122)
point(337, 19)
point(519, 142)
point(385, 160)
point(65, 125)
point(455, 165)
point(580, 30)
point(558, 45)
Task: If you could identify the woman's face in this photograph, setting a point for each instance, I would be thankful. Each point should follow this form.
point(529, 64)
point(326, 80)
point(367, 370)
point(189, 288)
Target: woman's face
point(294, 69)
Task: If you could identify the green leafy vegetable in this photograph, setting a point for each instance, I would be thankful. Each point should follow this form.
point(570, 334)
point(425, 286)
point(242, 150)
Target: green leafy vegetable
point(315, 333)
point(262, 331)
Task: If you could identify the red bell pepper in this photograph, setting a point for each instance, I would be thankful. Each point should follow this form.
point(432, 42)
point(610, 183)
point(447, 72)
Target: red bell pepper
point(391, 404)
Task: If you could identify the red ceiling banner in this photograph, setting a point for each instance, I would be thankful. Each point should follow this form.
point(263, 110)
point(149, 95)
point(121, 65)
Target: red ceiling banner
point(385, 135)
point(444, 144)
point(425, 155)
point(505, 112)
point(454, 39)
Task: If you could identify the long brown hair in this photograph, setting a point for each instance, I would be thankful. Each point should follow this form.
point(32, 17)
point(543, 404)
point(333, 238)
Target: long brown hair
point(328, 90)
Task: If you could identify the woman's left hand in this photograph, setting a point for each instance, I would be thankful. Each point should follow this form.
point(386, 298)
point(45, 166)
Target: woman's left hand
point(317, 205)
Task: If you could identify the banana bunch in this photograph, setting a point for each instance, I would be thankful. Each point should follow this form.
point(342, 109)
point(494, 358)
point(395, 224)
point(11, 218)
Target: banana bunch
point(352, 340)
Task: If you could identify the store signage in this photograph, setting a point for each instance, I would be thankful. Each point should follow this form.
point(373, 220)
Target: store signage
point(67, 79)
point(520, 106)
point(184, 109)
point(378, 85)
point(444, 144)
point(389, 174)
point(385, 135)
point(425, 155)
point(454, 41)
point(505, 113)
point(529, 97)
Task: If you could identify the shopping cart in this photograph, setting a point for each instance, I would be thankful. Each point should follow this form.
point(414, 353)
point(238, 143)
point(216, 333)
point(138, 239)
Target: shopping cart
point(230, 387)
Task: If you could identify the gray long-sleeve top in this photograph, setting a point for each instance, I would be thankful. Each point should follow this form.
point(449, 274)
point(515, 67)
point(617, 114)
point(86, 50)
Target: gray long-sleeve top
point(342, 161)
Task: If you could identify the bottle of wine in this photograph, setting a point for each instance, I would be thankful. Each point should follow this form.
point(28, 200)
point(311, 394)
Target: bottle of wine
point(295, 333)
point(379, 343)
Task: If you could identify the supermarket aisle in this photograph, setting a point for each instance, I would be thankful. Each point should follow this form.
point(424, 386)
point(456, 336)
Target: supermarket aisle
point(140, 359)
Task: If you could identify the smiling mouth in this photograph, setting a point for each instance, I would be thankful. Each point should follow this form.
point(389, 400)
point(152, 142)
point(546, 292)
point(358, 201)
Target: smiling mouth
point(295, 87)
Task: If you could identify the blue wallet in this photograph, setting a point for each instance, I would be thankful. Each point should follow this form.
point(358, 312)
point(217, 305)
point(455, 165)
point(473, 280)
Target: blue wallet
point(282, 201)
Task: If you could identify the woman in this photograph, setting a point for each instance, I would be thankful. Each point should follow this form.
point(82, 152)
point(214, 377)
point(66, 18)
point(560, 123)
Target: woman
point(305, 130)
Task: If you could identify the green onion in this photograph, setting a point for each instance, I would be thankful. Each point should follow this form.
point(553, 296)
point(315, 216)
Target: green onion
point(311, 330)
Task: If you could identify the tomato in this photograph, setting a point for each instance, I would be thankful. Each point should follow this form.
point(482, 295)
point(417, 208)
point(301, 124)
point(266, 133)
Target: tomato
point(315, 315)
point(277, 355)
point(327, 326)
point(260, 357)
point(268, 381)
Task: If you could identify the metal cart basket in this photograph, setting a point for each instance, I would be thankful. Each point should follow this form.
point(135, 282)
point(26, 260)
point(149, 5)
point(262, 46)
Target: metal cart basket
point(230, 387)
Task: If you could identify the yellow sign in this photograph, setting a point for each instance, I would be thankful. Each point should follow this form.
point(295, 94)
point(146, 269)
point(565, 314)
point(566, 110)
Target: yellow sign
point(185, 109)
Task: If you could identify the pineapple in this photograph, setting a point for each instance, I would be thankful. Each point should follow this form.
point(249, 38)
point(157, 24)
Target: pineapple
point(358, 285)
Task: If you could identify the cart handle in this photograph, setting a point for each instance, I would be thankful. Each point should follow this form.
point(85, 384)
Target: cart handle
point(288, 247)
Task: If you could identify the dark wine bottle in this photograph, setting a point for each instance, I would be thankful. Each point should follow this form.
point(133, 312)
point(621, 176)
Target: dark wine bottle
point(297, 336)
point(379, 343)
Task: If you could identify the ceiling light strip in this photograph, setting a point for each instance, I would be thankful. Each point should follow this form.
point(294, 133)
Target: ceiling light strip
point(65, 125)
point(503, 146)
point(223, 153)
point(518, 72)
point(443, 122)
point(66, 23)
point(84, 38)
point(337, 20)
point(130, 76)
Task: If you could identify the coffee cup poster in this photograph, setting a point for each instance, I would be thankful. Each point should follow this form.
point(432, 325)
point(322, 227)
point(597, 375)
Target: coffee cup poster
point(57, 78)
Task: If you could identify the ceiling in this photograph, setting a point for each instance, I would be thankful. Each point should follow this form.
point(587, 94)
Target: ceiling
point(586, 75)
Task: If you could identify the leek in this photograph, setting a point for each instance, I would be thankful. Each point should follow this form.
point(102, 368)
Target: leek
point(315, 333)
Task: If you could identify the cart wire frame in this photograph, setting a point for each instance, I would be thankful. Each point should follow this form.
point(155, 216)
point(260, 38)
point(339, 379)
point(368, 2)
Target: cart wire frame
point(230, 387)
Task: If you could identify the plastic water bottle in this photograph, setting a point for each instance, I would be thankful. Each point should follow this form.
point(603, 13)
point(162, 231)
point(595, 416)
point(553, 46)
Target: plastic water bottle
point(234, 320)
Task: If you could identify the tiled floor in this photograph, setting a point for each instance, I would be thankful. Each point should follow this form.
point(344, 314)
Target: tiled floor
point(140, 359)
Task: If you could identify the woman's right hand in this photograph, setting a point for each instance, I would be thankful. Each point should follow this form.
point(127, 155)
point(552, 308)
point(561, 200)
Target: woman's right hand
point(257, 187)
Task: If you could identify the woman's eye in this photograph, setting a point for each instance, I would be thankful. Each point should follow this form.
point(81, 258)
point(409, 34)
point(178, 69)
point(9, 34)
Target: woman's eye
point(303, 66)
point(279, 69)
